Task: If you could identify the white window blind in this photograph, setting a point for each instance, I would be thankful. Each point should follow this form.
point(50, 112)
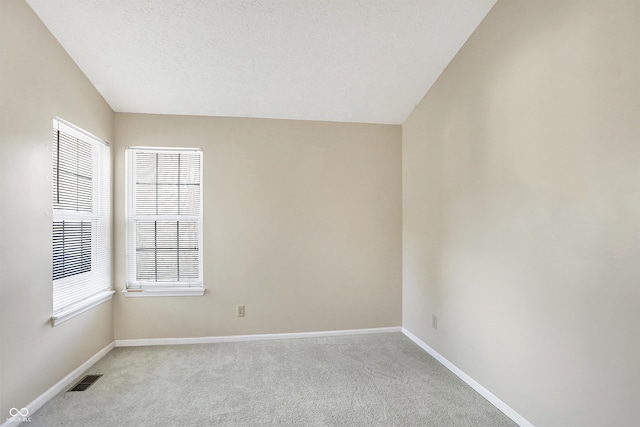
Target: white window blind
point(164, 218)
point(81, 219)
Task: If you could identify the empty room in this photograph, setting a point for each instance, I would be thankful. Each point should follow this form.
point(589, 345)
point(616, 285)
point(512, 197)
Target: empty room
point(320, 212)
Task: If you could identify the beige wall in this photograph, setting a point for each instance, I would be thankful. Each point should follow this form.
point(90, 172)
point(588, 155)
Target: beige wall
point(521, 211)
point(37, 81)
point(302, 224)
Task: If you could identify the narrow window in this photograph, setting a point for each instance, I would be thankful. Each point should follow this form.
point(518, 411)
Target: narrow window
point(81, 220)
point(164, 221)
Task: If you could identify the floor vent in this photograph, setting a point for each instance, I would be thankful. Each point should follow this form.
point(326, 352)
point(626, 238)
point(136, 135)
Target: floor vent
point(85, 383)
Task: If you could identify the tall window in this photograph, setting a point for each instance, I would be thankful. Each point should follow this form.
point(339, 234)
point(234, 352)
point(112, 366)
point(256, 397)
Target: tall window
point(164, 221)
point(81, 221)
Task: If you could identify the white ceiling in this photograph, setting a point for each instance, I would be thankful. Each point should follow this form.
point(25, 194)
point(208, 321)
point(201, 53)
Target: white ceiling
point(365, 61)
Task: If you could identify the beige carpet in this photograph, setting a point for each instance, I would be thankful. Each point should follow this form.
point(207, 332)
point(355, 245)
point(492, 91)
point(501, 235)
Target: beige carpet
point(365, 380)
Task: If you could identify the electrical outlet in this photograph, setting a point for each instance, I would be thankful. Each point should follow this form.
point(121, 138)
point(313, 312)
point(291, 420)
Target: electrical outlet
point(434, 321)
point(240, 310)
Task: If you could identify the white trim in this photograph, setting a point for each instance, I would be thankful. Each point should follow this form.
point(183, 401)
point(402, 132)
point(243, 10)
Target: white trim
point(163, 292)
point(40, 401)
point(492, 398)
point(81, 133)
point(81, 306)
point(150, 149)
point(260, 337)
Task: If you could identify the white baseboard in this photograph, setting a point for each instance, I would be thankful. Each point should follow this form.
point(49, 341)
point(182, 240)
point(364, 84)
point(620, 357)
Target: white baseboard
point(259, 337)
point(492, 398)
point(39, 401)
point(75, 374)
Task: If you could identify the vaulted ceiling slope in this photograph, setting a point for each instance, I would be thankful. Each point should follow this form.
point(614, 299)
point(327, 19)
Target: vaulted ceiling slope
point(365, 61)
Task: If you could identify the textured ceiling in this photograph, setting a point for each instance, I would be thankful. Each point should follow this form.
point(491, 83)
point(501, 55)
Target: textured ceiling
point(338, 60)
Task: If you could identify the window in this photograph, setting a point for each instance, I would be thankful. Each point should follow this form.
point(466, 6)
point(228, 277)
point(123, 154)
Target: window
point(164, 222)
point(81, 221)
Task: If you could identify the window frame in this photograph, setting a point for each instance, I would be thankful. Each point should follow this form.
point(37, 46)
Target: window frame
point(95, 284)
point(138, 288)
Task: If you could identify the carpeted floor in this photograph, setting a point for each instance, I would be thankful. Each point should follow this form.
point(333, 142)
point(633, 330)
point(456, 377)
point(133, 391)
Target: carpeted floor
point(365, 380)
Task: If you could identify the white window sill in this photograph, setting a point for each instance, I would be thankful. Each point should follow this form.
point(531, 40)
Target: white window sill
point(81, 307)
point(163, 292)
